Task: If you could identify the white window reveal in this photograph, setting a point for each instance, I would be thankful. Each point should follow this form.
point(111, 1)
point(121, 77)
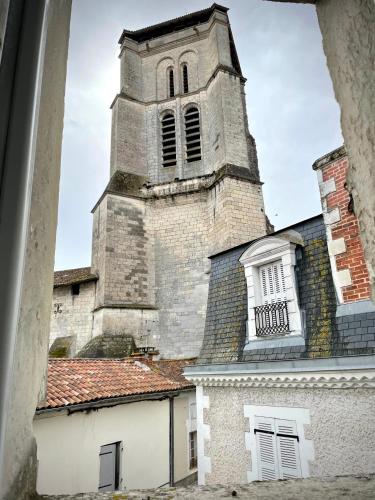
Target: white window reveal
point(193, 450)
point(274, 317)
point(109, 474)
point(277, 445)
point(276, 442)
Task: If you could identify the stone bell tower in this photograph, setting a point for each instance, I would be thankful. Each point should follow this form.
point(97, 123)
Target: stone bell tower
point(184, 181)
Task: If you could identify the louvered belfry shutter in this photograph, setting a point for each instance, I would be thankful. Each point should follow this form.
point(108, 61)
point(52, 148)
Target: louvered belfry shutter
point(266, 448)
point(287, 449)
point(272, 282)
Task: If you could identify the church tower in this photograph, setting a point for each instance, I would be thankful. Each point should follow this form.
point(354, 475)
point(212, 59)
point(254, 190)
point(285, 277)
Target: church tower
point(184, 182)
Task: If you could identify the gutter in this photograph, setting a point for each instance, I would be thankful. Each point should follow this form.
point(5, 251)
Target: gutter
point(302, 365)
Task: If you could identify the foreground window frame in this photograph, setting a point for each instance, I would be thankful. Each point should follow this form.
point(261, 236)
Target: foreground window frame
point(270, 250)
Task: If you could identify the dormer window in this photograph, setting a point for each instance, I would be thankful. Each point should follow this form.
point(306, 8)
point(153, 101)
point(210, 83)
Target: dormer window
point(171, 82)
point(168, 139)
point(192, 135)
point(274, 317)
point(185, 79)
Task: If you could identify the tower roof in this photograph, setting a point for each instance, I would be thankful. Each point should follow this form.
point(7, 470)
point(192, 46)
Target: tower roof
point(176, 24)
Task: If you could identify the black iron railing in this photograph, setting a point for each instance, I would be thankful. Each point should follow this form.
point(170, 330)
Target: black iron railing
point(272, 319)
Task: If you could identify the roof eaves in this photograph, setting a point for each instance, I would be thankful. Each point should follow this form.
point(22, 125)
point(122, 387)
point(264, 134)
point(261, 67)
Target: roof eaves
point(87, 279)
point(171, 25)
point(115, 400)
point(265, 236)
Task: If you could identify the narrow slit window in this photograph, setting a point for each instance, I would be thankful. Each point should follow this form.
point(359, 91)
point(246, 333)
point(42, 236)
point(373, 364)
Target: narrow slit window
point(193, 135)
point(185, 78)
point(168, 138)
point(193, 449)
point(171, 82)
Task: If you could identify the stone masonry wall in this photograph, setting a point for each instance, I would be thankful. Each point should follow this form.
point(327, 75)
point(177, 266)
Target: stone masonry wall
point(180, 226)
point(128, 150)
point(211, 46)
point(237, 211)
point(71, 315)
point(223, 134)
point(215, 86)
point(126, 260)
point(153, 253)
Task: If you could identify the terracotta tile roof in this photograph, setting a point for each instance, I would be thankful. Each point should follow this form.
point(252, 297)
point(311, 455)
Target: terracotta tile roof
point(75, 381)
point(71, 276)
point(173, 368)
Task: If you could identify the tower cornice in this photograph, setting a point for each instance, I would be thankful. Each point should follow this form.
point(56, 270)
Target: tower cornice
point(172, 25)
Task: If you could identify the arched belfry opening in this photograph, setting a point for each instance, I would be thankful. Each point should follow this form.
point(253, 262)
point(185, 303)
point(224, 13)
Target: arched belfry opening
point(170, 82)
point(185, 79)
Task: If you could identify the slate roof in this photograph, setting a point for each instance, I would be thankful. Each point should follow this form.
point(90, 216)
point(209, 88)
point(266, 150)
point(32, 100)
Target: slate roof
point(73, 276)
point(326, 334)
point(76, 381)
point(171, 25)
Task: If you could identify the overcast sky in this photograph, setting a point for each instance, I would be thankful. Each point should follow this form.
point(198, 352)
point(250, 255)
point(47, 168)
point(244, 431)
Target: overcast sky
point(292, 111)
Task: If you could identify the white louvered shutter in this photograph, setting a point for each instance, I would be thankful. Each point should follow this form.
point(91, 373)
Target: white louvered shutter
point(272, 282)
point(266, 448)
point(288, 458)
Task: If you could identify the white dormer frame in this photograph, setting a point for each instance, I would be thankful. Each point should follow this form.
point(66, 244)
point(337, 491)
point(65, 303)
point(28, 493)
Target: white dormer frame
point(266, 251)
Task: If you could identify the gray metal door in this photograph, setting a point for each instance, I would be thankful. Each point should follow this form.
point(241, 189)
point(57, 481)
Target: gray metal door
point(107, 475)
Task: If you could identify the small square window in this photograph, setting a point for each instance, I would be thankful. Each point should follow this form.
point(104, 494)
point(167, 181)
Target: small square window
point(75, 289)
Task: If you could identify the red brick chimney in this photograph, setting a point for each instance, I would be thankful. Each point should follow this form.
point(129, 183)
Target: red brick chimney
point(348, 264)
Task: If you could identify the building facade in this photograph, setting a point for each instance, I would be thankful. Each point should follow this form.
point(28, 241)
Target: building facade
point(115, 424)
point(286, 375)
point(184, 184)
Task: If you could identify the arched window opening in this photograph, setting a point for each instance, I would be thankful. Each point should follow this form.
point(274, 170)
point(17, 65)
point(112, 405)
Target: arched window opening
point(168, 137)
point(193, 135)
point(171, 83)
point(185, 78)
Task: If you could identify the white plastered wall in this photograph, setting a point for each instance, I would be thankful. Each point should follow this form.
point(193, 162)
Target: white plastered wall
point(68, 446)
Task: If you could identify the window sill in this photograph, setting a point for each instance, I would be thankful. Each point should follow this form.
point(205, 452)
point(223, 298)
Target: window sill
point(275, 342)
